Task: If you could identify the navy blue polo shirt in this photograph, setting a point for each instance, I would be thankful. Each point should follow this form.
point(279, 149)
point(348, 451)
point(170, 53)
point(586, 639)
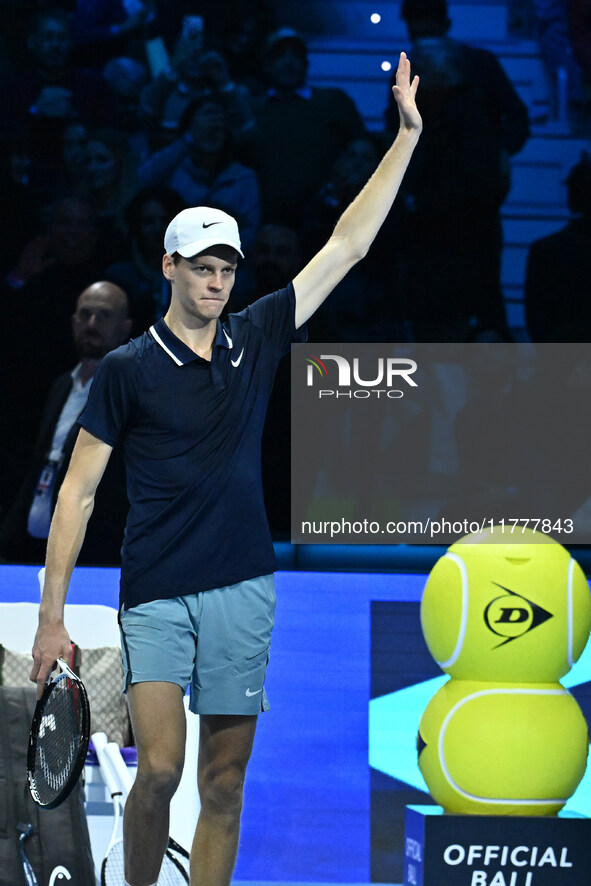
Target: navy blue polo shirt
point(191, 435)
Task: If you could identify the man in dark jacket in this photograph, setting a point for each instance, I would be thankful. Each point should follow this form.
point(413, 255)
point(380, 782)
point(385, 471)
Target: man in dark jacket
point(428, 23)
point(456, 182)
point(99, 325)
point(299, 129)
point(558, 270)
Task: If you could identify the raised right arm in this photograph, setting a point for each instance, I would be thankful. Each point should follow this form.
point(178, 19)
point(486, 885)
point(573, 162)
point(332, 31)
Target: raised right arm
point(68, 527)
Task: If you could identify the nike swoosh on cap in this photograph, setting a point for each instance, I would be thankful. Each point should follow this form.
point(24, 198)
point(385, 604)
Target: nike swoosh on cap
point(209, 224)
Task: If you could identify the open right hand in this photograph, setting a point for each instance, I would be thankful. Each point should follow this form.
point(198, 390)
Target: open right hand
point(405, 92)
point(52, 641)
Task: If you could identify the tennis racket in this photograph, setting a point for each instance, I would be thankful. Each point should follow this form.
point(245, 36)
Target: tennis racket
point(58, 740)
point(119, 782)
point(173, 849)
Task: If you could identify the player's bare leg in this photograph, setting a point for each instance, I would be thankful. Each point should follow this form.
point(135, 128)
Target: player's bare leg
point(225, 745)
point(158, 721)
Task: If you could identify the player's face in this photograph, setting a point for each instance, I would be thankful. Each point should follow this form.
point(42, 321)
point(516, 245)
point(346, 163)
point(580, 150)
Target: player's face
point(202, 285)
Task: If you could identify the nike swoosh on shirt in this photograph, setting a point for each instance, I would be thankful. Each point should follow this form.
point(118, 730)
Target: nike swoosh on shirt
point(249, 693)
point(237, 362)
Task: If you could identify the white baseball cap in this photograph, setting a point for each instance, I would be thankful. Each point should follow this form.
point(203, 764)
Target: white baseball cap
point(196, 229)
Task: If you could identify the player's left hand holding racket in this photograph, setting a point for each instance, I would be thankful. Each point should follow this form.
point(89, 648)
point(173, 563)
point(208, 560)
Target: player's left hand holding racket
point(59, 736)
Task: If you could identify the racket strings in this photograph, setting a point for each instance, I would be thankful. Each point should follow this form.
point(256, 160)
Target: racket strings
point(112, 872)
point(61, 739)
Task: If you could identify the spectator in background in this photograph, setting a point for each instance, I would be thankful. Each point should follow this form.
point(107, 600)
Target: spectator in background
point(52, 90)
point(102, 30)
point(200, 166)
point(216, 83)
point(356, 318)
point(70, 238)
point(557, 304)
point(164, 101)
point(428, 23)
point(195, 74)
point(125, 78)
point(553, 30)
point(299, 130)
point(456, 182)
point(99, 324)
point(140, 273)
point(39, 295)
point(240, 29)
point(110, 175)
point(580, 29)
point(275, 256)
point(74, 138)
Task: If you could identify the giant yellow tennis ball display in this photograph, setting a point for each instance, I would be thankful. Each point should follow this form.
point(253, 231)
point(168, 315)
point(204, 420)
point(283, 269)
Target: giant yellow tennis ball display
point(502, 749)
point(497, 609)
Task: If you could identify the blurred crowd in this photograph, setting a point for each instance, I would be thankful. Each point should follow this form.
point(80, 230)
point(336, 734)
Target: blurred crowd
point(116, 114)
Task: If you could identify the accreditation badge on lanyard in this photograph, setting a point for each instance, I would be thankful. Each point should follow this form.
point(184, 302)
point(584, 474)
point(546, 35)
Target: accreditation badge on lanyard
point(40, 513)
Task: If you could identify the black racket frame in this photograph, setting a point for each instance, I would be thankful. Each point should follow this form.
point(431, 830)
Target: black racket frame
point(65, 674)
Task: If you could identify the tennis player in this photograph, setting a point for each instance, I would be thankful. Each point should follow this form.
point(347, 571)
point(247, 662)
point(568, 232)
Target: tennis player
point(187, 402)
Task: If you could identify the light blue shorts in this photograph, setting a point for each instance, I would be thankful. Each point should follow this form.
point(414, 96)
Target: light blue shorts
point(216, 641)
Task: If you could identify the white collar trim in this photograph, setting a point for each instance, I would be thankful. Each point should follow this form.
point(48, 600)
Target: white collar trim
point(164, 348)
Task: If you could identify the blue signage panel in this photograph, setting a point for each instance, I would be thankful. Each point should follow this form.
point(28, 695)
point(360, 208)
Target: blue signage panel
point(496, 850)
point(414, 846)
